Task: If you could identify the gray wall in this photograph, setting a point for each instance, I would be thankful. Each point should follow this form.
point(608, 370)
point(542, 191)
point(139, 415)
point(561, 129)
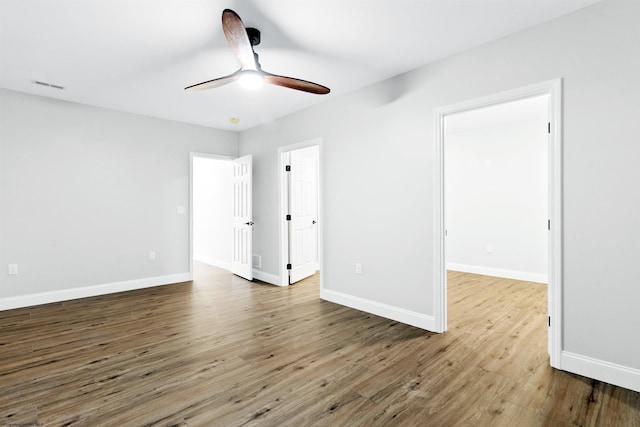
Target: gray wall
point(87, 192)
point(378, 172)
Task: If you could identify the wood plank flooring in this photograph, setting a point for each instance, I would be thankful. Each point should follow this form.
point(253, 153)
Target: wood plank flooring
point(221, 351)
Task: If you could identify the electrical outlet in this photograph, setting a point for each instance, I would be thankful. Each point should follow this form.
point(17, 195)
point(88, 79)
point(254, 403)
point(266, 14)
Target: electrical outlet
point(490, 248)
point(152, 255)
point(358, 268)
point(12, 269)
point(180, 210)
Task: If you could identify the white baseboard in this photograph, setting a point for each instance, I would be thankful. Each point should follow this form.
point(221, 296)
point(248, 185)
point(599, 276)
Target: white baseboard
point(266, 277)
point(600, 370)
point(89, 291)
point(211, 261)
point(498, 272)
point(401, 315)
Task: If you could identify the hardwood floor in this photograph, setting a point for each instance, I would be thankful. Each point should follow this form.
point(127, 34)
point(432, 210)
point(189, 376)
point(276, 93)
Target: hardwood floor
point(221, 351)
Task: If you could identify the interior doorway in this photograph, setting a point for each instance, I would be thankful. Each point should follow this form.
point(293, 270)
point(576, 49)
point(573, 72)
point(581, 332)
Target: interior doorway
point(211, 210)
point(300, 211)
point(496, 190)
point(553, 223)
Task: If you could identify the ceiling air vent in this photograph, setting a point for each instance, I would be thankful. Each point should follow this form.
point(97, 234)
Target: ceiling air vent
point(38, 82)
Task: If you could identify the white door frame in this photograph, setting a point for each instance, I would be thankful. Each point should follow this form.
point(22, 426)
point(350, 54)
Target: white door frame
point(553, 88)
point(284, 241)
point(192, 155)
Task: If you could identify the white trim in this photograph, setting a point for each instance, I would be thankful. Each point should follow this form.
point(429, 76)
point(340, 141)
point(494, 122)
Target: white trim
point(556, 264)
point(191, 157)
point(214, 262)
point(90, 291)
point(553, 88)
point(409, 317)
point(284, 243)
point(439, 270)
point(498, 272)
point(266, 277)
point(600, 370)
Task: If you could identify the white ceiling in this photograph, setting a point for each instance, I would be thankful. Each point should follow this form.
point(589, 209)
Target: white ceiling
point(138, 55)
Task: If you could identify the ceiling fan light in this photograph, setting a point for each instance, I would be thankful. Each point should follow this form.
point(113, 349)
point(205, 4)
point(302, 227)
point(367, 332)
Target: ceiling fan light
point(250, 79)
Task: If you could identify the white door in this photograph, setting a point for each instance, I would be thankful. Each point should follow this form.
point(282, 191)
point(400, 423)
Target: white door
point(303, 208)
point(242, 218)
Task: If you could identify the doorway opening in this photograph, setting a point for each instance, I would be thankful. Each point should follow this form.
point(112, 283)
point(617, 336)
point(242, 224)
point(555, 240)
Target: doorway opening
point(221, 214)
point(482, 247)
point(210, 213)
point(496, 190)
point(212, 221)
point(300, 209)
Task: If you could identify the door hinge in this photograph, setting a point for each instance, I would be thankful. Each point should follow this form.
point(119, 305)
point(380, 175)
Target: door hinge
point(287, 168)
point(549, 321)
point(549, 224)
point(288, 217)
point(288, 266)
point(549, 127)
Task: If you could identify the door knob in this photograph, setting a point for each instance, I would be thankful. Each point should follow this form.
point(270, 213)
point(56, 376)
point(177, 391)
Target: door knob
point(313, 222)
point(249, 223)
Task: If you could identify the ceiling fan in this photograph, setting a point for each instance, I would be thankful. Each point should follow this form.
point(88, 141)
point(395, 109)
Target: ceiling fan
point(242, 40)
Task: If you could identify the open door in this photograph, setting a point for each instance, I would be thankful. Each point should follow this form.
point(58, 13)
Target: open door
point(242, 218)
point(303, 208)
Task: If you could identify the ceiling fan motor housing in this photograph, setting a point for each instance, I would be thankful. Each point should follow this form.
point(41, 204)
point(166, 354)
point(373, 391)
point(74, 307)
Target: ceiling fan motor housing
point(254, 36)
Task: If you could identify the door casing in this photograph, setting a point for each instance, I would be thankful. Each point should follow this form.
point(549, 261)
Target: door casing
point(553, 88)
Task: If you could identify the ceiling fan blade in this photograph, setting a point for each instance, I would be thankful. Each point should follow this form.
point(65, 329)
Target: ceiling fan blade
point(236, 34)
point(215, 82)
point(297, 84)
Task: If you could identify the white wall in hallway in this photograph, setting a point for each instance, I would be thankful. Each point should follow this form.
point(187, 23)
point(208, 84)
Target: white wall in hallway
point(212, 211)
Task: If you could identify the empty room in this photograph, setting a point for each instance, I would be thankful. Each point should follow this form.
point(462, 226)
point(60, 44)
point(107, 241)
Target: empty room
point(333, 269)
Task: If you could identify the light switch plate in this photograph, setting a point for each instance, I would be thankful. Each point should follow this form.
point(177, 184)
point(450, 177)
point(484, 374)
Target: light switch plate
point(12, 269)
